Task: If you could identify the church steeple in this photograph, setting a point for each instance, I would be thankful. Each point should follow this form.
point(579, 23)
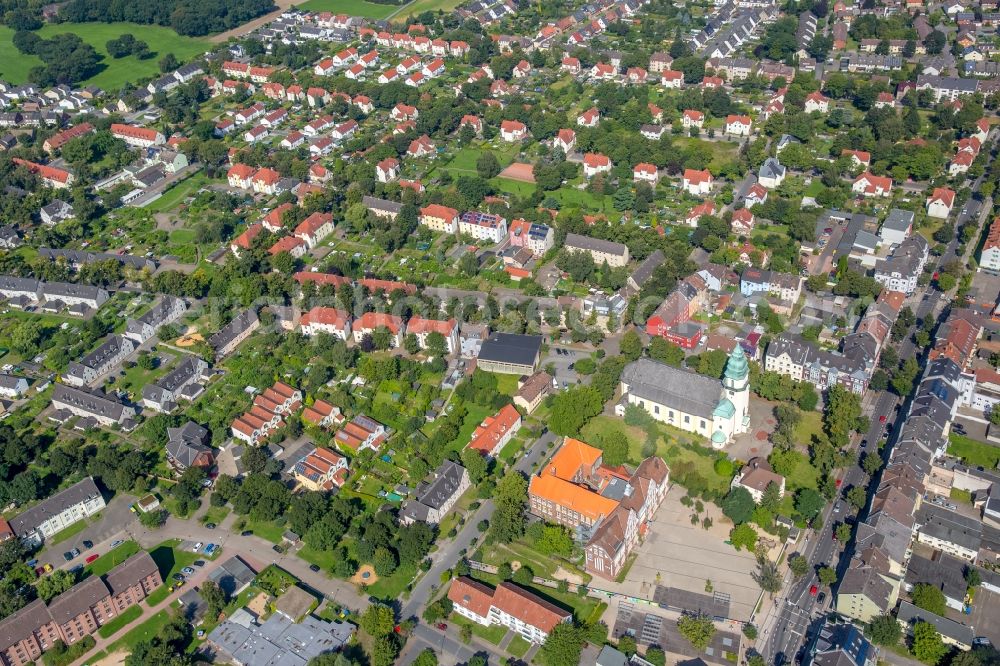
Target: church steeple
point(737, 369)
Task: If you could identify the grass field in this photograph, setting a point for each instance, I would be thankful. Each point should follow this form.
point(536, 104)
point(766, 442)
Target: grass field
point(352, 7)
point(111, 559)
point(14, 65)
point(177, 193)
point(143, 632)
point(67, 533)
point(128, 616)
point(420, 6)
point(977, 454)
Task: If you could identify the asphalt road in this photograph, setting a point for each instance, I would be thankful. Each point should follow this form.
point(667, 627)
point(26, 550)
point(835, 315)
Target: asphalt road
point(444, 559)
point(799, 613)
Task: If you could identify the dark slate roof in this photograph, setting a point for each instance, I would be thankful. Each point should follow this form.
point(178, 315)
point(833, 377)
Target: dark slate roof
point(27, 521)
point(683, 390)
point(511, 348)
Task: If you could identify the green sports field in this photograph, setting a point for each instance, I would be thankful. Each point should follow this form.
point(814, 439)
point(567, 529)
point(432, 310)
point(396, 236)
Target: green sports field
point(14, 65)
point(351, 7)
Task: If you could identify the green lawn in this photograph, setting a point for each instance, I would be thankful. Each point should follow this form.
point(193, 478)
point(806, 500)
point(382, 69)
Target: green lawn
point(352, 7)
point(128, 616)
point(518, 647)
point(600, 427)
point(420, 6)
point(392, 586)
point(143, 632)
point(976, 454)
point(811, 425)
point(215, 515)
point(116, 73)
point(324, 559)
point(111, 559)
point(67, 533)
point(492, 634)
point(176, 194)
point(269, 531)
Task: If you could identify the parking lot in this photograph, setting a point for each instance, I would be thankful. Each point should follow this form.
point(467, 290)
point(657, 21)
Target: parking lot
point(676, 560)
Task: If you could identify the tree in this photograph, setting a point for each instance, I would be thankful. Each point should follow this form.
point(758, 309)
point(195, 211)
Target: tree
point(738, 505)
point(215, 598)
point(698, 629)
point(871, 463)
point(884, 630)
point(614, 446)
point(57, 582)
point(663, 350)
point(928, 597)
point(384, 650)
point(426, 658)
point(168, 63)
point(798, 565)
point(154, 519)
point(475, 463)
point(972, 576)
point(843, 533)
point(927, 644)
point(411, 344)
point(771, 497)
point(767, 576)
point(631, 345)
point(743, 536)
point(563, 646)
point(827, 576)
point(487, 166)
point(572, 409)
point(995, 414)
point(377, 620)
point(510, 497)
point(857, 497)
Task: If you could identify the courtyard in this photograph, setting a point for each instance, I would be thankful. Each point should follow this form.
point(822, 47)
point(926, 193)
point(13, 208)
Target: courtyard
point(679, 564)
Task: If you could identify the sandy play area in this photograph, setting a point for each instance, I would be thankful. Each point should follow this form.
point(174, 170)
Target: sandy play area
point(365, 575)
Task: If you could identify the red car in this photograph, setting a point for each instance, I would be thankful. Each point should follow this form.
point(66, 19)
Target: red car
point(91, 558)
point(813, 590)
point(838, 482)
point(442, 626)
point(882, 419)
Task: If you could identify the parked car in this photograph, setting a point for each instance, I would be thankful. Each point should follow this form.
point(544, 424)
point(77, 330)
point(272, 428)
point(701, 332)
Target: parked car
point(246, 533)
point(87, 544)
point(197, 547)
point(278, 549)
point(116, 543)
point(75, 552)
point(442, 626)
point(187, 571)
point(91, 558)
point(314, 568)
point(813, 590)
point(821, 598)
point(209, 526)
point(178, 577)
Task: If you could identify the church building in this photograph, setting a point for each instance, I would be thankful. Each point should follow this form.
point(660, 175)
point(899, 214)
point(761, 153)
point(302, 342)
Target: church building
point(716, 410)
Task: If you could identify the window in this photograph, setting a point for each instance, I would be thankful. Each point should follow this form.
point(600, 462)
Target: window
point(703, 423)
point(687, 419)
point(656, 409)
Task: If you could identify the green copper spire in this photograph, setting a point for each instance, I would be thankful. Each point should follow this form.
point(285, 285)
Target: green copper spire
point(737, 367)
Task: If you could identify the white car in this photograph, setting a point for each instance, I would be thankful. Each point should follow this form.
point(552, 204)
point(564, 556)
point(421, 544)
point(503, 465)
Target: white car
point(197, 547)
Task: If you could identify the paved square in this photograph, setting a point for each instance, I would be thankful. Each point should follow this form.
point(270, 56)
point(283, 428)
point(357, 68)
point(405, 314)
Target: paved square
point(677, 554)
